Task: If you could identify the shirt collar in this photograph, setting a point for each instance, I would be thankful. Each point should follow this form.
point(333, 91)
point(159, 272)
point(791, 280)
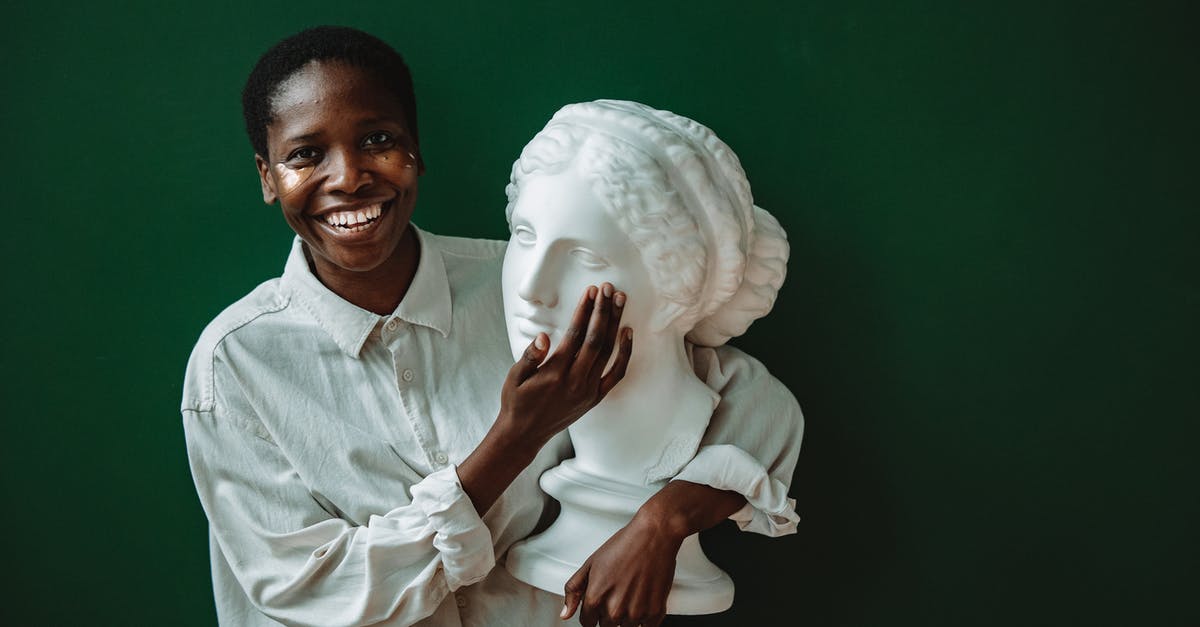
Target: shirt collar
point(426, 303)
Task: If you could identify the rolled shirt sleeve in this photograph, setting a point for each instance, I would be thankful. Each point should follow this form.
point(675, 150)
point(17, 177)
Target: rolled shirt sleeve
point(752, 442)
point(302, 565)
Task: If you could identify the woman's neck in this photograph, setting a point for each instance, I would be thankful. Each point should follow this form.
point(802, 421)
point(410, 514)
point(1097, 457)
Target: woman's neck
point(380, 289)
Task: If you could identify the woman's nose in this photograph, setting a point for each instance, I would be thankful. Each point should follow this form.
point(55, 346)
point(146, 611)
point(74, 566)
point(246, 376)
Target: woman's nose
point(538, 285)
point(347, 172)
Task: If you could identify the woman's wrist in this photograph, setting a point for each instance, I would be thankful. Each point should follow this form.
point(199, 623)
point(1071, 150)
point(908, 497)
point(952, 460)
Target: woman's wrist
point(514, 436)
point(493, 465)
point(682, 508)
point(663, 517)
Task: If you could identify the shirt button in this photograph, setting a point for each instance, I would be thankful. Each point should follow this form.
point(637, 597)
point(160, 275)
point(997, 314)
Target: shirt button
point(407, 375)
point(391, 325)
point(460, 600)
point(440, 458)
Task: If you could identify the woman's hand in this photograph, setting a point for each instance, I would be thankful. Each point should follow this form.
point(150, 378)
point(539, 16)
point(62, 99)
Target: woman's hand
point(626, 581)
point(539, 399)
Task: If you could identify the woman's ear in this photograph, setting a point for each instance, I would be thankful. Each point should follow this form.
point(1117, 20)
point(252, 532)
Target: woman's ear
point(264, 178)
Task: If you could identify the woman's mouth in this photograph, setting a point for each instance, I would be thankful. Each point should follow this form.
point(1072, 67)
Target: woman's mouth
point(356, 220)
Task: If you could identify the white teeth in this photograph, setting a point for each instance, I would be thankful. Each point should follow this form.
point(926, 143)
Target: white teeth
point(357, 220)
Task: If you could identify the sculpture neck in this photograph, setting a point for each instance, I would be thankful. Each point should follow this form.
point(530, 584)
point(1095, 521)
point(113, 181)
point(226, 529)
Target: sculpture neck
point(659, 364)
point(650, 424)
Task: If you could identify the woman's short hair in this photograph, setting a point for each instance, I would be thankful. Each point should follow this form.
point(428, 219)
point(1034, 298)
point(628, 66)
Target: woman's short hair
point(323, 43)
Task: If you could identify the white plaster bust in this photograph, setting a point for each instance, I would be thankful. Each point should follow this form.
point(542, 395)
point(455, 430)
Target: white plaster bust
point(657, 205)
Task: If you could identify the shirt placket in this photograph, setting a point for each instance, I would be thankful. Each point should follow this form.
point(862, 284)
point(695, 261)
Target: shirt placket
point(399, 336)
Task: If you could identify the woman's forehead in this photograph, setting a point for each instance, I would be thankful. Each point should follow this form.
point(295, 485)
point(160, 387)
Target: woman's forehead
point(323, 91)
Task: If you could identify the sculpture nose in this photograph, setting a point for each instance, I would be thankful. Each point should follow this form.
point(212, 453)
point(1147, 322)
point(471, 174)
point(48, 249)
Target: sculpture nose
point(538, 284)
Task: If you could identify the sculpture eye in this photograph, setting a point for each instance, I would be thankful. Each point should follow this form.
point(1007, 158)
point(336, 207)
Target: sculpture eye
point(524, 235)
point(589, 258)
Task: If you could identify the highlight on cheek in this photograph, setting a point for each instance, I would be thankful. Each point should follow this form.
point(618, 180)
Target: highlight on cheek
point(289, 179)
point(395, 163)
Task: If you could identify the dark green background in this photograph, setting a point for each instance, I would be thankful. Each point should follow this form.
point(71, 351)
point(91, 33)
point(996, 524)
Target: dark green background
point(990, 317)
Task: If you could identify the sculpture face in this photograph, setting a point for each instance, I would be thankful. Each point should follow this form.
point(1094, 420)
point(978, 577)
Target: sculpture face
point(562, 241)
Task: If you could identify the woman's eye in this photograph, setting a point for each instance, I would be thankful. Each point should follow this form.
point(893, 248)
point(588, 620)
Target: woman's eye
point(378, 138)
point(524, 235)
point(303, 154)
point(589, 258)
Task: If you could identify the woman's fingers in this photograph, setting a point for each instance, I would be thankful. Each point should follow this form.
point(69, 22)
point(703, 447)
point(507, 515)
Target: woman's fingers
point(617, 372)
point(596, 338)
point(573, 336)
point(530, 360)
point(573, 591)
point(612, 337)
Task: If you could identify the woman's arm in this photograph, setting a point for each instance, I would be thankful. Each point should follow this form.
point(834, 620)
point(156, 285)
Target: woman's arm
point(301, 564)
point(627, 580)
point(540, 399)
point(742, 471)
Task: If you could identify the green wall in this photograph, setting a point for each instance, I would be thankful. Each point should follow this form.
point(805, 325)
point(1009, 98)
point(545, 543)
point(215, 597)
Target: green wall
point(990, 316)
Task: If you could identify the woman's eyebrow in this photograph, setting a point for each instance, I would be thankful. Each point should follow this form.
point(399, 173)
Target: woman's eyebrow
point(380, 120)
point(302, 138)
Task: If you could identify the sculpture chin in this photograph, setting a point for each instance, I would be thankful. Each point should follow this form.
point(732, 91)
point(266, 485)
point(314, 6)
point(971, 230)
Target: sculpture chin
point(593, 509)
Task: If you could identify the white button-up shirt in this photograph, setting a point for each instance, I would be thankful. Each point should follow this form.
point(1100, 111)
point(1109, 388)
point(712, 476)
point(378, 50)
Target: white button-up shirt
point(324, 439)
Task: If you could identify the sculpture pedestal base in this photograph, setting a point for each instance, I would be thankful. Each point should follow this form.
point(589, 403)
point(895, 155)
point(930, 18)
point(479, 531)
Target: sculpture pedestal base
point(593, 509)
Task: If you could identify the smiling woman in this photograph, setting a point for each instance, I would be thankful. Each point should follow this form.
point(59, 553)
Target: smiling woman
point(358, 448)
point(341, 163)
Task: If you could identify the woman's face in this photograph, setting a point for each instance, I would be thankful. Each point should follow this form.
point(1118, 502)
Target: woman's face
point(341, 165)
point(562, 241)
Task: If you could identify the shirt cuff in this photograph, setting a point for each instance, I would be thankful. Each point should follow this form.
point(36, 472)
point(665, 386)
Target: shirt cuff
point(460, 536)
point(768, 509)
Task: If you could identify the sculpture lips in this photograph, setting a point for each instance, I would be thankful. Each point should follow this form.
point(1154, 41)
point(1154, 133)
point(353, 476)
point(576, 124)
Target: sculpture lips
point(531, 327)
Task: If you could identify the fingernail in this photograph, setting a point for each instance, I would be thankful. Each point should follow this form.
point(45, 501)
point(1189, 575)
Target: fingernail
point(540, 341)
point(566, 611)
point(628, 333)
point(619, 299)
point(607, 290)
point(591, 291)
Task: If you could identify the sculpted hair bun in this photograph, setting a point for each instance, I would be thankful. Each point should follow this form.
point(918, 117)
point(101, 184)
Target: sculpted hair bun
point(766, 267)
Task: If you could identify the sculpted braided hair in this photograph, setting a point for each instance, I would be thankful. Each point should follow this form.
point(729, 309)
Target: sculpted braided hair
point(681, 196)
point(637, 195)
